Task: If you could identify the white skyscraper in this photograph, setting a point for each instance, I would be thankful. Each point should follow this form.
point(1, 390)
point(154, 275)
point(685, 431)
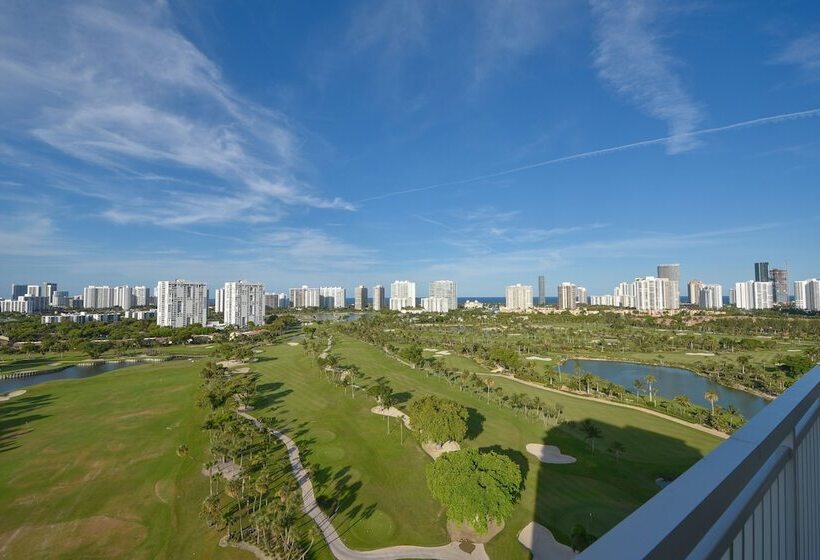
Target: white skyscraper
point(518, 297)
point(800, 293)
point(244, 303)
point(580, 295)
point(402, 294)
point(624, 295)
point(142, 296)
point(807, 294)
point(671, 296)
point(98, 297)
point(332, 297)
point(123, 297)
point(436, 304)
point(378, 297)
point(181, 303)
point(566, 295)
point(445, 289)
point(360, 299)
point(710, 296)
point(313, 297)
point(651, 294)
point(695, 286)
point(219, 300)
point(754, 295)
point(272, 301)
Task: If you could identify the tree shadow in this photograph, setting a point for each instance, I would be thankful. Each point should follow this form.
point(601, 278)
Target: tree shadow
point(609, 480)
point(268, 395)
point(17, 413)
point(475, 423)
point(402, 397)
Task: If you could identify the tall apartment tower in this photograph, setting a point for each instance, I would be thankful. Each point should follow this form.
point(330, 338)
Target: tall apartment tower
point(542, 287)
point(672, 295)
point(518, 297)
point(360, 298)
point(48, 289)
point(444, 289)
point(18, 290)
point(142, 296)
point(244, 303)
point(711, 296)
point(378, 297)
point(123, 297)
point(753, 295)
point(402, 294)
point(181, 303)
point(780, 279)
point(219, 300)
point(566, 295)
point(762, 272)
point(695, 286)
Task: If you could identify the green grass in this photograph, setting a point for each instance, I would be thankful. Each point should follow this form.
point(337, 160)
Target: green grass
point(387, 501)
point(88, 468)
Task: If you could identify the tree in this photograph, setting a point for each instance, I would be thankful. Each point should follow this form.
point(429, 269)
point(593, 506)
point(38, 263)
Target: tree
point(488, 381)
point(650, 379)
point(475, 488)
point(712, 397)
point(638, 384)
point(682, 401)
point(438, 420)
point(743, 361)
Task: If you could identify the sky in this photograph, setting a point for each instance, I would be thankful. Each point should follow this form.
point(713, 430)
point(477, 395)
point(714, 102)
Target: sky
point(347, 143)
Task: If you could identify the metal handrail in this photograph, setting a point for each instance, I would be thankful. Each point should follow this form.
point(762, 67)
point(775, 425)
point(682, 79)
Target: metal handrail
point(675, 521)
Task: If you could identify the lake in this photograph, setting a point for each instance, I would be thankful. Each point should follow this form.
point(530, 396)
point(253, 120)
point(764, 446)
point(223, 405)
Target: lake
point(670, 382)
point(72, 372)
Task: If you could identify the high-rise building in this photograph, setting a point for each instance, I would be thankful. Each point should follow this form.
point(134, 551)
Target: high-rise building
point(60, 299)
point(34, 290)
point(753, 295)
point(566, 295)
point(445, 289)
point(518, 297)
point(244, 303)
point(332, 297)
point(296, 297)
point(123, 297)
point(800, 293)
point(813, 295)
point(580, 295)
point(48, 289)
point(762, 272)
point(219, 300)
point(607, 300)
point(142, 296)
point(695, 286)
point(181, 303)
point(271, 301)
point(780, 282)
point(313, 297)
point(653, 294)
point(671, 295)
point(378, 297)
point(360, 298)
point(98, 297)
point(402, 294)
point(711, 296)
point(542, 287)
point(18, 290)
point(624, 295)
point(436, 304)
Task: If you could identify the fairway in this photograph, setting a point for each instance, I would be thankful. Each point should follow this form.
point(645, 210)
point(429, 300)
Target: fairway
point(385, 500)
point(89, 469)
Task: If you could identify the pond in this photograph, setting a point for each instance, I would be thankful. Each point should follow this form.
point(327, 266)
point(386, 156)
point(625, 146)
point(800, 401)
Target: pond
point(670, 382)
point(71, 372)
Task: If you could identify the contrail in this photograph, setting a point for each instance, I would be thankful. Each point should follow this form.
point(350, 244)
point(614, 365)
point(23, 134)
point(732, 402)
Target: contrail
point(603, 151)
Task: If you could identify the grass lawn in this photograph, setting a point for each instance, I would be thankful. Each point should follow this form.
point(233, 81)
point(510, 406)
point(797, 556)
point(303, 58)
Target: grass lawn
point(88, 468)
point(384, 498)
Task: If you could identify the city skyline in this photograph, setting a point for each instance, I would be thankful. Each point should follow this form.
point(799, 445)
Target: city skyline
point(296, 145)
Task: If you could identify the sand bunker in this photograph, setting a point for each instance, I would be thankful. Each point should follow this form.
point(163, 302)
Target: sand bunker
point(392, 411)
point(699, 354)
point(293, 344)
point(435, 451)
point(549, 454)
point(230, 363)
point(13, 394)
point(242, 370)
point(539, 358)
point(443, 353)
point(542, 544)
point(431, 349)
point(228, 469)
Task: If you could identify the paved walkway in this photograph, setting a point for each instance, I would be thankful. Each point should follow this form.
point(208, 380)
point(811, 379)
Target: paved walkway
point(611, 403)
point(334, 542)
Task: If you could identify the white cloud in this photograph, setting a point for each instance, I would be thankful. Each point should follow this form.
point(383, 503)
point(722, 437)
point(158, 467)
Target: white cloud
point(123, 89)
point(803, 52)
point(630, 58)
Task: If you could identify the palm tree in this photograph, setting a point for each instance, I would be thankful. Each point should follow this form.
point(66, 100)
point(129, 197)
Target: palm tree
point(587, 379)
point(712, 397)
point(638, 385)
point(650, 379)
point(489, 382)
point(743, 361)
point(682, 401)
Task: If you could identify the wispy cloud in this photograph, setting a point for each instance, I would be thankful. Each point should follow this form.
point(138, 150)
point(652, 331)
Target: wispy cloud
point(630, 58)
point(803, 52)
point(123, 89)
point(772, 119)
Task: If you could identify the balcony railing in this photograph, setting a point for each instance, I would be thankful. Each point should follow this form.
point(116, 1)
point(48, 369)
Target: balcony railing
point(757, 495)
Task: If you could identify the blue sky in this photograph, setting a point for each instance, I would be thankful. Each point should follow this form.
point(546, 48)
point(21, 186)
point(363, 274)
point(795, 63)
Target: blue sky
point(343, 143)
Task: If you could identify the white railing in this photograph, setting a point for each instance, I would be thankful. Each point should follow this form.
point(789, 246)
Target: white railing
point(757, 495)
